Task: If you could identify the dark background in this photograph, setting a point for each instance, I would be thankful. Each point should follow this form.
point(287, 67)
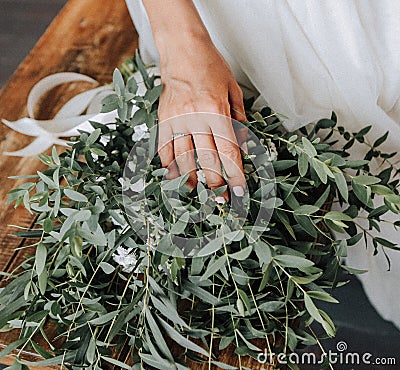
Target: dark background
point(22, 22)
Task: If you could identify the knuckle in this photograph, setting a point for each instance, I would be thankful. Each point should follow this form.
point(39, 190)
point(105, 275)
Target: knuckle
point(230, 150)
point(209, 158)
point(183, 157)
point(214, 106)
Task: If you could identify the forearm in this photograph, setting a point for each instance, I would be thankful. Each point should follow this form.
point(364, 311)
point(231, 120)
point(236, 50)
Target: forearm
point(174, 23)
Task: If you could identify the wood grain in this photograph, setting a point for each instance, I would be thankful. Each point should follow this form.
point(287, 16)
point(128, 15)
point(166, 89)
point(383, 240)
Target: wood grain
point(90, 37)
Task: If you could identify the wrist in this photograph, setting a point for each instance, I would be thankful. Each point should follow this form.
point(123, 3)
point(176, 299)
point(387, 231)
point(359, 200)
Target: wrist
point(172, 41)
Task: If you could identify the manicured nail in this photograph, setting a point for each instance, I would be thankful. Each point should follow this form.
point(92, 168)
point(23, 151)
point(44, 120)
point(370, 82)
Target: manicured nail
point(238, 191)
point(220, 200)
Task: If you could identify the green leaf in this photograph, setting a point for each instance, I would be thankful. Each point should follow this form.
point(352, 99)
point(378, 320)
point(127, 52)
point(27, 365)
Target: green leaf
point(245, 299)
point(381, 189)
point(328, 324)
point(47, 180)
point(366, 180)
point(93, 137)
point(326, 123)
point(74, 195)
point(180, 339)
point(57, 360)
point(131, 85)
point(154, 328)
point(103, 319)
point(306, 210)
point(212, 247)
point(288, 260)
point(224, 366)
point(312, 309)
point(91, 350)
point(167, 309)
point(285, 220)
point(242, 254)
point(263, 252)
point(361, 192)
point(380, 140)
point(115, 362)
point(109, 103)
point(271, 306)
point(322, 296)
point(175, 184)
point(234, 236)
point(179, 226)
point(98, 152)
point(214, 267)
point(305, 279)
point(153, 361)
point(306, 224)
point(55, 156)
point(240, 307)
point(11, 347)
point(342, 185)
point(107, 268)
point(118, 81)
point(337, 216)
point(308, 147)
point(303, 164)
point(40, 258)
point(42, 279)
point(200, 293)
point(322, 170)
point(387, 243)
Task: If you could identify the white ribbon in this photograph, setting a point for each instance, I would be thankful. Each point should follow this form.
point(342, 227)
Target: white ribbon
point(73, 116)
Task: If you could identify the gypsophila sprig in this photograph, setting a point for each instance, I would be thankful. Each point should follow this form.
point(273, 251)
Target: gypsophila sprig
point(103, 287)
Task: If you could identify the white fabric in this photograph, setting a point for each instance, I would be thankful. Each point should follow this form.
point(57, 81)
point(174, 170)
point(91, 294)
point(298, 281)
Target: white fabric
point(307, 58)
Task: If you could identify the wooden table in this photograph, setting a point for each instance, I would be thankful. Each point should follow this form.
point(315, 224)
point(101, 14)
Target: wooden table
point(88, 36)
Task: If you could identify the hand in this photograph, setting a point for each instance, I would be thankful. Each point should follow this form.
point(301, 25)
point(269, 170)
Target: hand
point(197, 79)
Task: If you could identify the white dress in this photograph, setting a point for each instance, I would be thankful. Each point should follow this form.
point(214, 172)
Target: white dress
point(307, 58)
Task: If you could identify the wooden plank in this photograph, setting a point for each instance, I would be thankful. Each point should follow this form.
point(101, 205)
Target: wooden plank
point(88, 36)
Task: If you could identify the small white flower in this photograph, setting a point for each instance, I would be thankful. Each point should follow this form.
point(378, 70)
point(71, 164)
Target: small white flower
point(141, 132)
point(125, 258)
point(272, 152)
point(200, 176)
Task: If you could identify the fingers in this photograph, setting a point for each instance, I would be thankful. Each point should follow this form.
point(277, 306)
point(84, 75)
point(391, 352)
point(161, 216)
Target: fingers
point(241, 136)
point(229, 153)
point(184, 157)
point(238, 113)
point(209, 159)
point(236, 103)
point(166, 150)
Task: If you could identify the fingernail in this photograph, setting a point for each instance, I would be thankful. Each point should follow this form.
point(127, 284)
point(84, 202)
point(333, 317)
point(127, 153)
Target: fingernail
point(220, 200)
point(238, 191)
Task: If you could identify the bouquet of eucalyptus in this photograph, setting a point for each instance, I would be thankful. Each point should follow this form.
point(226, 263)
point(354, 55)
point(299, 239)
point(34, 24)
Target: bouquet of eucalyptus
point(109, 272)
